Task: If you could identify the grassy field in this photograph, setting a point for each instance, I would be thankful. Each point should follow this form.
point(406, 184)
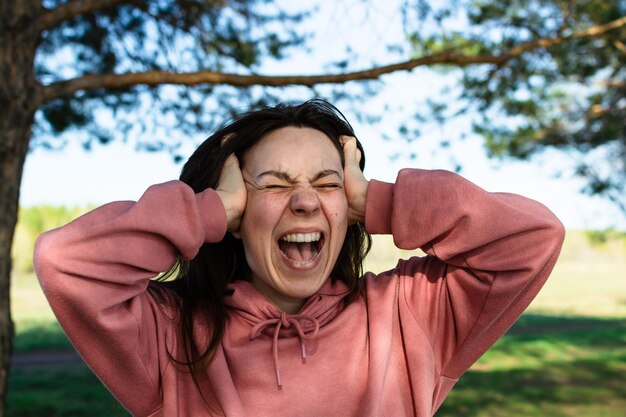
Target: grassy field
point(566, 357)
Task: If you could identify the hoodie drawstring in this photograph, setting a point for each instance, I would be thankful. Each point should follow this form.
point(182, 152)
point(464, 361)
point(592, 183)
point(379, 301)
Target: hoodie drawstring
point(287, 321)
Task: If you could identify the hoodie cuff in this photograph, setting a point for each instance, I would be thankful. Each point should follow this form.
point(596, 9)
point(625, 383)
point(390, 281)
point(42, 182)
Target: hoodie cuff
point(213, 215)
point(378, 207)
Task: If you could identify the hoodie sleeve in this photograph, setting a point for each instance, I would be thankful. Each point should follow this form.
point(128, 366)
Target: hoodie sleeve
point(488, 255)
point(95, 273)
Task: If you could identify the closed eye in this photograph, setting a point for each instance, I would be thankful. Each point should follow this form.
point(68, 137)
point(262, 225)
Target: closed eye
point(329, 186)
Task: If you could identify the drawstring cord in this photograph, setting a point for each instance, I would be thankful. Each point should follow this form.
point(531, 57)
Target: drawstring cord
point(287, 321)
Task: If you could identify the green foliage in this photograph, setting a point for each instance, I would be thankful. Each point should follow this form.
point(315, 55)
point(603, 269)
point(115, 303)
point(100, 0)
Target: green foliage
point(605, 237)
point(566, 89)
point(32, 221)
point(568, 94)
point(165, 35)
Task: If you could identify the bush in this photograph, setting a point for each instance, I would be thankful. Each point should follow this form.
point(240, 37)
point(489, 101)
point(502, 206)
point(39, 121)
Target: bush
point(33, 221)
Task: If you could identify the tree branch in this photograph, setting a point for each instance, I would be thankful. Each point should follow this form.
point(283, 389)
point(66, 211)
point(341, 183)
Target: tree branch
point(153, 78)
point(592, 32)
point(52, 17)
point(619, 45)
point(111, 81)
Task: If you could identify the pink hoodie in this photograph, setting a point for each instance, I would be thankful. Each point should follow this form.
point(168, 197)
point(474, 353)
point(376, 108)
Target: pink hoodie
point(395, 352)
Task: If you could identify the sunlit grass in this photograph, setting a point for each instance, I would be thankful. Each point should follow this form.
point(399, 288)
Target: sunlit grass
point(588, 280)
point(566, 357)
point(574, 370)
point(36, 327)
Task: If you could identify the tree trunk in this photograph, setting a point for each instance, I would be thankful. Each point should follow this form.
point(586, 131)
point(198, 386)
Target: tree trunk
point(18, 97)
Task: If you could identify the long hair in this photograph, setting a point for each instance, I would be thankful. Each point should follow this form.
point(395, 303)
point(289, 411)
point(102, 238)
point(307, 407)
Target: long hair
point(200, 283)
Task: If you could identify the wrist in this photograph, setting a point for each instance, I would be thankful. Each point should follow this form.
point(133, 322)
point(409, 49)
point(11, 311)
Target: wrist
point(232, 211)
point(358, 203)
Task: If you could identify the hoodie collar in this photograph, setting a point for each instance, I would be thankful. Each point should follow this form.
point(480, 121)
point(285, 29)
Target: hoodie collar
point(266, 320)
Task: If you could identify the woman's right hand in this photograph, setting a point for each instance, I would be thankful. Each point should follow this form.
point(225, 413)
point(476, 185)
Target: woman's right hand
point(232, 191)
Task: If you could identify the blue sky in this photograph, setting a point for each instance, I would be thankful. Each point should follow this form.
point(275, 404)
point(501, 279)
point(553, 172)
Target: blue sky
point(116, 172)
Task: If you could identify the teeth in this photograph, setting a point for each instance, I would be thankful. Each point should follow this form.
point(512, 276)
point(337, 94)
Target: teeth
point(302, 237)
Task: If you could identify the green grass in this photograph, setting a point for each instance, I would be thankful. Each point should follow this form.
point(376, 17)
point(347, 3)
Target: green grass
point(547, 366)
point(35, 324)
point(40, 335)
point(589, 280)
point(566, 357)
point(63, 392)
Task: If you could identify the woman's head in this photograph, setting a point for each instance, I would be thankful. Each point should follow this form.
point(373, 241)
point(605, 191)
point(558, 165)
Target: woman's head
point(296, 214)
point(201, 283)
point(316, 120)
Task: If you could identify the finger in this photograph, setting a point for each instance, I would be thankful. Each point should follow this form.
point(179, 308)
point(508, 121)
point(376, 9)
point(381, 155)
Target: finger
point(232, 161)
point(230, 172)
point(350, 149)
point(344, 138)
point(225, 139)
point(349, 145)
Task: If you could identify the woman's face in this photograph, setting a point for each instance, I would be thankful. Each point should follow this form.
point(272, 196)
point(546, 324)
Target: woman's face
point(295, 220)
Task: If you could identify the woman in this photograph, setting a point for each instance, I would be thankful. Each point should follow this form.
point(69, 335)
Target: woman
point(263, 311)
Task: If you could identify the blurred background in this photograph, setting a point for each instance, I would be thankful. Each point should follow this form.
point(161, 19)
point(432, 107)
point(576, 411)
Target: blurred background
point(526, 97)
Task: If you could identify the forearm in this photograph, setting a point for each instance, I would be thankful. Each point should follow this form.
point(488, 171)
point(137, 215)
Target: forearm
point(126, 242)
point(490, 254)
point(95, 271)
point(460, 223)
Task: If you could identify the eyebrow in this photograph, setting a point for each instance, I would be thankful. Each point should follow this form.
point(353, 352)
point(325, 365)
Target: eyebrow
point(286, 177)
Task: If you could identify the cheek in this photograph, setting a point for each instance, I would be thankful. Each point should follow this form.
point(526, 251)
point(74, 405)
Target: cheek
point(337, 210)
point(255, 227)
point(261, 214)
point(257, 209)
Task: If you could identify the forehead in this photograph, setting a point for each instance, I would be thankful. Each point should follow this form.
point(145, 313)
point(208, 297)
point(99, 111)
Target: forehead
point(295, 150)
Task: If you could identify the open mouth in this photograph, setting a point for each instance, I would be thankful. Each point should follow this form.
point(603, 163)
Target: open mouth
point(301, 248)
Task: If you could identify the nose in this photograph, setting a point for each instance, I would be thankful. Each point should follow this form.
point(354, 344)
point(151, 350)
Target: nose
point(304, 201)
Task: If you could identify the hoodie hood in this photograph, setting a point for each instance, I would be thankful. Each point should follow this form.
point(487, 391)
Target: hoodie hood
point(268, 321)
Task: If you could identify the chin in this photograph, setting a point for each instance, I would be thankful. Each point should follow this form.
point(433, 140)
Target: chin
point(304, 290)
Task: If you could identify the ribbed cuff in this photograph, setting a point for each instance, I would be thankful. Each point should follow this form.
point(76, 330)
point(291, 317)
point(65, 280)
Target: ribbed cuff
point(378, 207)
point(213, 215)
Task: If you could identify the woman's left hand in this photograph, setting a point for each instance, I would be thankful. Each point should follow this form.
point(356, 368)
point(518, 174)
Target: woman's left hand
point(354, 181)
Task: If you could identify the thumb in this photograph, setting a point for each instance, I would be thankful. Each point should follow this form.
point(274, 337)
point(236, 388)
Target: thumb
point(232, 190)
point(355, 183)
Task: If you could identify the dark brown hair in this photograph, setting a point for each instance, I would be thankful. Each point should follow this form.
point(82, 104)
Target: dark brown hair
point(200, 283)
